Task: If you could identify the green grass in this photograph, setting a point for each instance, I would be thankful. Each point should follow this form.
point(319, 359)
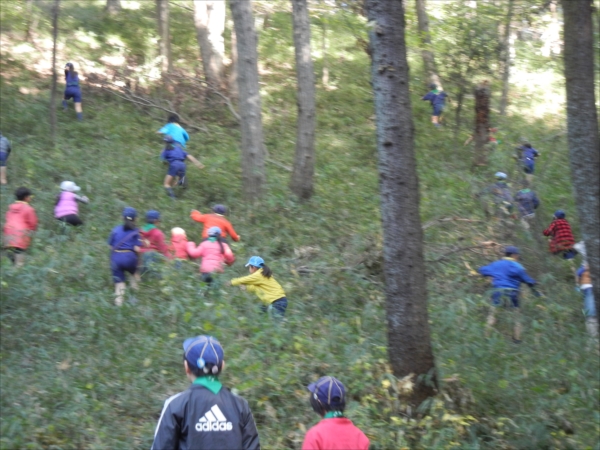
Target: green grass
point(77, 372)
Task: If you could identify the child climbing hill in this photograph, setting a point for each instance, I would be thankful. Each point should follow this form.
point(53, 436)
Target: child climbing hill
point(66, 209)
point(215, 219)
point(21, 222)
point(263, 284)
point(175, 156)
point(215, 253)
point(561, 236)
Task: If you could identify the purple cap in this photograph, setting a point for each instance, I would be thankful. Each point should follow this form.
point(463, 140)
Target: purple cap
point(329, 391)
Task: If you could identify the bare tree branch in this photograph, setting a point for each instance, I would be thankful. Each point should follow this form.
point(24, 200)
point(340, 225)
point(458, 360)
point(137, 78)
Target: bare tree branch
point(448, 219)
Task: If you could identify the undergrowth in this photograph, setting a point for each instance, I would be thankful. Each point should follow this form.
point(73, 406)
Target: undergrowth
point(77, 372)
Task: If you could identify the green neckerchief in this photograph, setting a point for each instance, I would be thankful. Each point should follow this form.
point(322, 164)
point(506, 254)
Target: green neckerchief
point(210, 382)
point(148, 227)
point(435, 91)
point(334, 415)
point(212, 239)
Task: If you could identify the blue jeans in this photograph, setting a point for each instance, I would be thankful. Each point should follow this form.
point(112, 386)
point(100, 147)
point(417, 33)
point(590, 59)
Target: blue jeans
point(589, 306)
point(276, 309)
point(508, 298)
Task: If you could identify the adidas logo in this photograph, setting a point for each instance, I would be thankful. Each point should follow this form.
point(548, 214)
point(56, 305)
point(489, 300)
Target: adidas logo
point(214, 420)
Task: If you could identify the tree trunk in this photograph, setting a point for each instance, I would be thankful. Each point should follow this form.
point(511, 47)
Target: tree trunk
point(482, 122)
point(233, 82)
point(164, 43)
point(582, 123)
point(325, 74)
point(113, 6)
point(507, 49)
point(32, 22)
point(426, 53)
point(209, 18)
point(55, 12)
point(304, 163)
point(253, 152)
point(409, 345)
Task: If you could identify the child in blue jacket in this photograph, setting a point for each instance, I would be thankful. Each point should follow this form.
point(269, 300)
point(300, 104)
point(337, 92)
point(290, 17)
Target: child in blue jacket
point(437, 98)
point(176, 156)
point(507, 275)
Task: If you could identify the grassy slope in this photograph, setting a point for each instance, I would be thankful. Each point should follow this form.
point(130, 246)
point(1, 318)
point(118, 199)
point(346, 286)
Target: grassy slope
point(78, 373)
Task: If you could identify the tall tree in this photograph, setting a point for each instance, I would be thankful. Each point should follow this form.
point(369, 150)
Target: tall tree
point(304, 163)
point(164, 43)
point(409, 342)
point(482, 123)
point(232, 82)
point(507, 49)
point(582, 124)
point(426, 52)
point(113, 6)
point(209, 18)
point(253, 152)
point(55, 12)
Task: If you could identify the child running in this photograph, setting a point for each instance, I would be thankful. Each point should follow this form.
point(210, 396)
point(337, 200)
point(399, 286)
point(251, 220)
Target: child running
point(153, 240)
point(5, 150)
point(437, 98)
point(335, 431)
point(261, 282)
point(72, 90)
point(527, 202)
point(561, 236)
point(178, 247)
point(66, 209)
point(176, 156)
point(527, 157)
point(125, 243)
point(176, 131)
point(507, 275)
point(21, 222)
point(216, 219)
point(214, 253)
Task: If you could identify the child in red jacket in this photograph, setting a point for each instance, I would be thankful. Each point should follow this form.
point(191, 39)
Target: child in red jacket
point(216, 219)
point(154, 241)
point(334, 432)
point(561, 236)
point(21, 222)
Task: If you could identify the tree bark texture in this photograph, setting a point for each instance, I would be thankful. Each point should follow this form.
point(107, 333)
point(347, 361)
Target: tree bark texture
point(113, 6)
point(164, 43)
point(55, 12)
point(304, 162)
point(482, 122)
point(253, 155)
point(425, 36)
point(209, 19)
point(507, 48)
point(325, 74)
point(233, 83)
point(409, 342)
point(582, 124)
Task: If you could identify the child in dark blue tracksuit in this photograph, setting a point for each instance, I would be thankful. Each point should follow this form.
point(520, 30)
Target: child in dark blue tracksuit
point(507, 275)
point(528, 155)
point(176, 156)
point(125, 243)
point(437, 98)
point(72, 90)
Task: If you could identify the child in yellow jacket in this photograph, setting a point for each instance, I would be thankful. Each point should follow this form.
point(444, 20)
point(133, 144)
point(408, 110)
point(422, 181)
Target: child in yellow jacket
point(261, 282)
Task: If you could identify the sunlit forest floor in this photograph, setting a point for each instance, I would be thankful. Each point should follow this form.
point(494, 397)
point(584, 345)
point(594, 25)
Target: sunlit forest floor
point(77, 372)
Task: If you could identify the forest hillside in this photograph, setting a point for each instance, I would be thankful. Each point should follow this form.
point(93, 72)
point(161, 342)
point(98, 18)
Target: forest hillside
point(77, 372)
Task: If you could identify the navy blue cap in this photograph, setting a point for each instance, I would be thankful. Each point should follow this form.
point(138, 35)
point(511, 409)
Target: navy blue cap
point(329, 391)
point(560, 214)
point(152, 215)
point(129, 213)
point(220, 209)
point(511, 249)
point(203, 350)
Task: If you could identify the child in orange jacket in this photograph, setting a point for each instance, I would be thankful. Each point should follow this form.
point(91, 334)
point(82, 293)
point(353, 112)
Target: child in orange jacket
point(21, 222)
point(216, 219)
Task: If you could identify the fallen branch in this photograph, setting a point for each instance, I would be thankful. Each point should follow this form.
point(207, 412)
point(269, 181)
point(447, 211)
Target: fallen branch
point(487, 244)
point(448, 219)
point(278, 164)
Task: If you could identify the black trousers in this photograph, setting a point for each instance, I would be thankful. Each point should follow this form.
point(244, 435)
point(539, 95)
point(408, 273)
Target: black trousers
point(71, 219)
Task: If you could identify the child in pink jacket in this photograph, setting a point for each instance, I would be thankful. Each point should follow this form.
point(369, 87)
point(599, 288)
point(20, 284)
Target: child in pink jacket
point(21, 222)
point(214, 253)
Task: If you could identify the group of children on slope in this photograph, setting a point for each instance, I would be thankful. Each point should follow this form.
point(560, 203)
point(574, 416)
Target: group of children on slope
point(210, 417)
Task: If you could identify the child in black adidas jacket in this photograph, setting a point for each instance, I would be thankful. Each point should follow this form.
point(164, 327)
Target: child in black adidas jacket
point(206, 415)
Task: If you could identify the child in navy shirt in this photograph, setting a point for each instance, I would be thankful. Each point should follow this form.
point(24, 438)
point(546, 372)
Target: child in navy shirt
point(125, 243)
point(437, 98)
point(176, 156)
point(72, 90)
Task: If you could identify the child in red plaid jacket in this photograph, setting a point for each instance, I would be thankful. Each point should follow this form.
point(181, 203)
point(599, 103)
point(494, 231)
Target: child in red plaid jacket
point(561, 236)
